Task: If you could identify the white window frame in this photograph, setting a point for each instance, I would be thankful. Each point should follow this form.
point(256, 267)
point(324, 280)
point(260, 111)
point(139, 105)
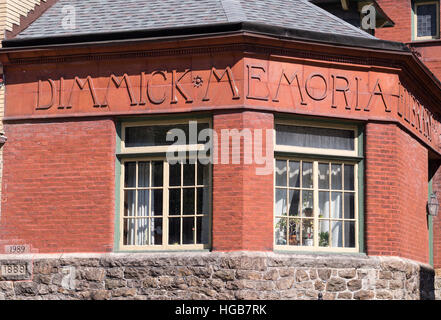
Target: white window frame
point(165, 206)
point(415, 20)
point(159, 149)
point(323, 153)
point(315, 151)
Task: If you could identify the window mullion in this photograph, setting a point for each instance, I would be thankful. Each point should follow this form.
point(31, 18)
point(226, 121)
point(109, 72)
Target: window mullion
point(136, 204)
point(301, 203)
point(330, 204)
point(165, 204)
point(150, 219)
point(181, 210)
point(316, 202)
point(288, 204)
point(121, 197)
point(356, 213)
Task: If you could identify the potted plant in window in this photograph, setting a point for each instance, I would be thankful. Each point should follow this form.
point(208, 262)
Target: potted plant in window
point(323, 239)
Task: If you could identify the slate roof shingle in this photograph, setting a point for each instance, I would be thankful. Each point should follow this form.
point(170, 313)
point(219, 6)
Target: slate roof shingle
point(99, 16)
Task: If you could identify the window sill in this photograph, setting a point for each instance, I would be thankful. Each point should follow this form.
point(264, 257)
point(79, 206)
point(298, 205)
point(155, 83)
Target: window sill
point(320, 253)
point(160, 251)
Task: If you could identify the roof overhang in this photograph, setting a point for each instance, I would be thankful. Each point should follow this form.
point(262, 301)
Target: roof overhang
point(200, 31)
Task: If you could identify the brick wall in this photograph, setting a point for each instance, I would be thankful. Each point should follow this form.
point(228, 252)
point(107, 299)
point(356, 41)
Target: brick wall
point(242, 200)
point(400, 12)
point(10, 13)
point(436, 187)
point(58, 188)
point(396, 193)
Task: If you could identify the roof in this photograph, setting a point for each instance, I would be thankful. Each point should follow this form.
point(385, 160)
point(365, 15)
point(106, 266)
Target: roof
point(105, 16)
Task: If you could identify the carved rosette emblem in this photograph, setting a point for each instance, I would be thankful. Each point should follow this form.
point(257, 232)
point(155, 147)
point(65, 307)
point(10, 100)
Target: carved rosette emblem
point(198, 81)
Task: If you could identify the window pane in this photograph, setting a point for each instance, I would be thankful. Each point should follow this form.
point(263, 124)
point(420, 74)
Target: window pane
point(189, 174)
point(156, 202)
point(142, 231)
point(307, 203)
point(281, 173)
point(307, 180)
point(350, 234)
point(324, 233)
point(337, 234)
point(280, 231)
point(323, 176)
point(349, 206)
point(143, 203)
point(294, 202)
point(203, 228)
point(349, 177)
point(156, 232)
point(129, 203)
point(323, 204)
point(202, 201)
point(143, 174)
point(280, 202)
point(313, 137)
point(129, 232)
point(202, 174)
point(336, 205)
point(157, 173)
point(294, 174)
point(294, 232)
point(188, 231)
point(175, 175)
point(156, 135)
point(308, 232)
point(174, 206)
point(188, 198)
point(426, 20)
point(336, 177)
point(130, 175)
point(174, 231)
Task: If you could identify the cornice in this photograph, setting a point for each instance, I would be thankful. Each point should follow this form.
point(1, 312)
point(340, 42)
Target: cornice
point(199, 50)
point(414, 73)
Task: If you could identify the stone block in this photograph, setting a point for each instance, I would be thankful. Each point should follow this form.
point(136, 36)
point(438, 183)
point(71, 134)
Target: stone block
point(336, 285)
point(347, 273)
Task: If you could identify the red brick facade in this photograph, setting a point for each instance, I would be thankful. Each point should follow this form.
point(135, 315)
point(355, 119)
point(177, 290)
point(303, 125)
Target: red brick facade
point(58, 186)
point(400, 11)
point(436, 187)
point(396, 185)
point(242, 200)
point(59, 178)
point(79, 187)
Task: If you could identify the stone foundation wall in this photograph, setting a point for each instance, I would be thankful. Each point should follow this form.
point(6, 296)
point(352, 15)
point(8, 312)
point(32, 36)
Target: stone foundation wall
point(205, 275)
point(437, 284)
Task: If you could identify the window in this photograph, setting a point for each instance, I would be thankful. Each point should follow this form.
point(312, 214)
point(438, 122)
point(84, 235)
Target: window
point(426, 20)
point(316, 199)
point(304, 138)
point(164, 205)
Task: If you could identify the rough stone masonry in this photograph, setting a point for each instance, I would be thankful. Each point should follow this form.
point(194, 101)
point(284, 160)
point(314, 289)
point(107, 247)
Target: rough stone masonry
point(205, 275)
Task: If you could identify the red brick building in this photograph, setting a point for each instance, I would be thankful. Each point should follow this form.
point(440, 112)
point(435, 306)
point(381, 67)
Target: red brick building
point(309, 147)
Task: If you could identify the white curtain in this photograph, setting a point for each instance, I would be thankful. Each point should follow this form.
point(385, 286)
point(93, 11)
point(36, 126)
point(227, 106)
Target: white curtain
point(335, 206)
point(143, 223)
point(336, 227)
